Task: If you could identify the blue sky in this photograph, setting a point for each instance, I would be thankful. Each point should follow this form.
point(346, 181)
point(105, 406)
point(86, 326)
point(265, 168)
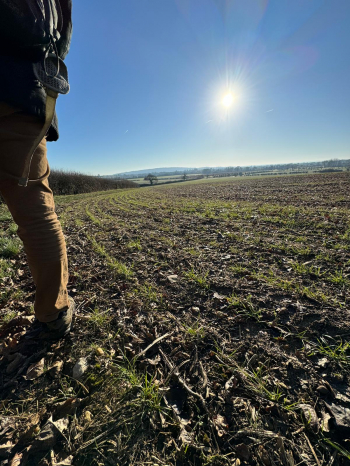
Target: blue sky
point(148, 78)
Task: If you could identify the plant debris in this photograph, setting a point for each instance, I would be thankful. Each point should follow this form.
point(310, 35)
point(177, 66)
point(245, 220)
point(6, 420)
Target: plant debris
point(212, 328)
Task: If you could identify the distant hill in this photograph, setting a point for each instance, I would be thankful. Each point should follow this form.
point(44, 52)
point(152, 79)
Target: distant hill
point(145, 172)
point(155, 171)
point(251, 169)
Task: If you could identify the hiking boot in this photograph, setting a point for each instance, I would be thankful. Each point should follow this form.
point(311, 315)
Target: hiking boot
point(54, 330)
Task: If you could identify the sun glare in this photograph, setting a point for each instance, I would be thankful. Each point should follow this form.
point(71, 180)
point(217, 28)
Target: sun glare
point(227, 101)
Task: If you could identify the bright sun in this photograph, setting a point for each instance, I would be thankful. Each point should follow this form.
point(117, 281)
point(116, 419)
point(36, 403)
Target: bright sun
point(227, 101)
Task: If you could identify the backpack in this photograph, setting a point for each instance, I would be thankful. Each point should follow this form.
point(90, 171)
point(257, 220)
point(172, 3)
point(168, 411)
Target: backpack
point(31, 29)
point(32, 26)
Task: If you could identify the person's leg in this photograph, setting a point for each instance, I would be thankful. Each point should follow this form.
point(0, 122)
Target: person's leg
point(33, 210)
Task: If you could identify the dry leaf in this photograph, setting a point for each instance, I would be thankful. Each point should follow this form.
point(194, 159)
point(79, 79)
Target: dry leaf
point(61, 424)
point(20, 321)
point(5, 449)
point(243, 451)
point(35, 370)
point(341, 415)
point(325, 422)
point(6, 423)
point(185, 437)
point(16, 460)
point(66, 407)
point(87, 416)
point(56, 368)
point(66, 462)
point(50, 433)
point(220, 424)
point(264, 456)
point(172, 278)
point(310, 416)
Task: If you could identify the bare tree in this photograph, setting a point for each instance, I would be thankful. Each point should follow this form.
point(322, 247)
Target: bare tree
point(151, 178)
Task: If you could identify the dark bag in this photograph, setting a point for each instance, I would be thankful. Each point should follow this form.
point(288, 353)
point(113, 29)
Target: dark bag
point(34, 26)
point(30, 25)
point(31, 28)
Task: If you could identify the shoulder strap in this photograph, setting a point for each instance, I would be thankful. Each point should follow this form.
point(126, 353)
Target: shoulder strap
point(60, 15)
point(53, 17)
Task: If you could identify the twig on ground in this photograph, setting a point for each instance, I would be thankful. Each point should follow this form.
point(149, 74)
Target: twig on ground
point(333, 458)
point(195, 360)
point(191, 392)
point(204, 374)
point(176, 368)
point(90, 442)
point(257, 433)
point(312, 450)
point(82, 385)
point(183, 383)
point(157, 340)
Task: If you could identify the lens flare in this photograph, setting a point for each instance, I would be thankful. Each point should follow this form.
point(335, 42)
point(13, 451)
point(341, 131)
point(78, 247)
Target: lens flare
point(228, 100)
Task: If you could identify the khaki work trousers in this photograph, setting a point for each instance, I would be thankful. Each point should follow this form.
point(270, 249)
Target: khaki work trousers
point(33, 210)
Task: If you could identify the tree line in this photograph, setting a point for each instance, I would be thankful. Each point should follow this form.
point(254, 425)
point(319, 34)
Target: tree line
point(70, 182)
point(237, 170)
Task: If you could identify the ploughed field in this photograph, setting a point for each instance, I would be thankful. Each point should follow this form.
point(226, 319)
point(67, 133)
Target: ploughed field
point(212, 328)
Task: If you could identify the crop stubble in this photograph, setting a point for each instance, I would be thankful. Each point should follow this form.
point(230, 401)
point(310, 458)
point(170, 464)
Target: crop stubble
point(240, 289)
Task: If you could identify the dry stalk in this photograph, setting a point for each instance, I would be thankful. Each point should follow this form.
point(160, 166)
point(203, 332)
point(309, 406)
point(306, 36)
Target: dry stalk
point(312, 449)
point(157, 340)
point(204, 374)
point(193, 393)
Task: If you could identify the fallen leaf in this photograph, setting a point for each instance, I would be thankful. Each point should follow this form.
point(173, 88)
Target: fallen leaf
point(172, 278)
point(61, 425)
point(322, 390)
point(185, 437)
point(67, 407)
point(66, 462)
point(310, 416)
point(6, 423)
point(16, 460)
point(264, 456)
point(325, 422)
point(243, 451)
point(87, 416)
point(46, 438)
point(20, 321)
point(231, 383)
point(219, 297)
point(56, 368)
point(220, 424)
point(49, 435)
point(35, 370)
point(341, 415)
point(5, 449)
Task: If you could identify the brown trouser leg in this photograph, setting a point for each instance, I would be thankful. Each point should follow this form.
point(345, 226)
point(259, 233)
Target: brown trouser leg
point(33, 210)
